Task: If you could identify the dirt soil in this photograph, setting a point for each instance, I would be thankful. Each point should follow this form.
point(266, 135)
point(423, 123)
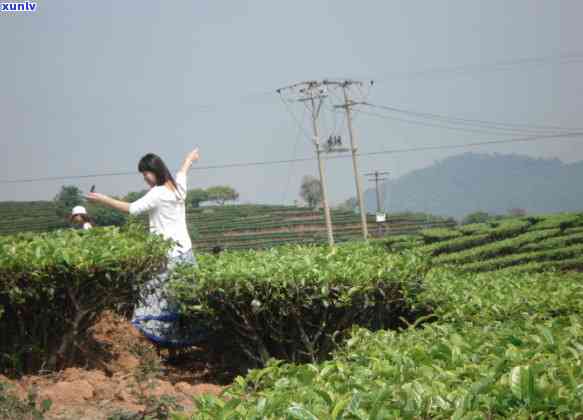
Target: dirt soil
point(123, 373)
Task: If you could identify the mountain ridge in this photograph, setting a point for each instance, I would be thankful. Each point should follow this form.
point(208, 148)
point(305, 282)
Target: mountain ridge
point(494, 183)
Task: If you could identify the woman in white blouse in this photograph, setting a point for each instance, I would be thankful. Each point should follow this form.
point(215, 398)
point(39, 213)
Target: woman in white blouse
point(156, 317)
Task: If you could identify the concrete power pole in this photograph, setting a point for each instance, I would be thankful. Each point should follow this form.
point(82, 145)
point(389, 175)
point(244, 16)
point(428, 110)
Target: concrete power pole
point(377, 177)
point(348, 104)
point(312, 94)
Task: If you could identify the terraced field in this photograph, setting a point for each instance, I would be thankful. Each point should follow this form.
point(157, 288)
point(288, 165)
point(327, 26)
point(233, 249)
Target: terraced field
point(253, 226)
point(515, 245)
point(29, 216)
point(237, 226)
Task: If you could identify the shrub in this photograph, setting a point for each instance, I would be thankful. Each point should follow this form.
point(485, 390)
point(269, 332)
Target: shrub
point(295, 302)
point(397, 242)
point(562, 221)
point(457, 244)
point(506, 346)
point(509, 228)
point(555, 243)
point(477, 217)
point(439, 234)
point(475, 228)
point(489, 298)
point(569, 264)
point(498, 248)
point(557, 254)
point(515, 371)
point(53, 286)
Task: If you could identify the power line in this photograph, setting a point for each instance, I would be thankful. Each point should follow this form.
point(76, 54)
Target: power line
point(447, 127)
point(298, 123)
point(570, 58)
point(558, 136)
point(261, 97)
point(565, 136)
point(290, 169)
point(468, 121)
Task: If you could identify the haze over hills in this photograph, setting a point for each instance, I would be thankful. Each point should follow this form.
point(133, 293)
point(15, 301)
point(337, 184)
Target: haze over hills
point(494, 183)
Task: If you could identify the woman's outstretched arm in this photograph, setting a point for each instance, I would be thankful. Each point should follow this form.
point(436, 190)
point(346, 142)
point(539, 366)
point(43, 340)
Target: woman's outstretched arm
point(191, 157)
point(109, 202)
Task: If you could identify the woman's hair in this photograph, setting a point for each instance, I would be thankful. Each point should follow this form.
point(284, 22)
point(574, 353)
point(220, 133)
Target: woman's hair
point(154, 163)
point(84, 217)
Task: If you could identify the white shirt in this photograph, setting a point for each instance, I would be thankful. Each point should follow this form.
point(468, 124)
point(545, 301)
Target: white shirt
point(167, 213)
point(87, 226)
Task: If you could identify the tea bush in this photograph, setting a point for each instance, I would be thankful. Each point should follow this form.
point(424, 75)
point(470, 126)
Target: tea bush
point(503, 346)
point(54, 285)
point(294, 303)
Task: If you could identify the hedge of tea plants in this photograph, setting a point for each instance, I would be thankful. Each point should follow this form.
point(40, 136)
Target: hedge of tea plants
point(518, 244)
point(296, 302)
point(53, 286)
point(501, 346)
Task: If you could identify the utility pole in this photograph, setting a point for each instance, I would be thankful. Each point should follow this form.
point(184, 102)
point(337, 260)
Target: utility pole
point(348, 104)
point(377, 177)
point(312, 95)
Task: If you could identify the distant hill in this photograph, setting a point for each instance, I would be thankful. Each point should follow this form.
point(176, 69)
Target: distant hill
point(495, 183)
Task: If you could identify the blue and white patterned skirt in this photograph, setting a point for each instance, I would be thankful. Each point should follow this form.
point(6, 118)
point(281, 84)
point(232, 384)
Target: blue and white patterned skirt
point(157, 316)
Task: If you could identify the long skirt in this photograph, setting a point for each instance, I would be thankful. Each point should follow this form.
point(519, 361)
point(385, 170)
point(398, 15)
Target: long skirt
point(157, 315)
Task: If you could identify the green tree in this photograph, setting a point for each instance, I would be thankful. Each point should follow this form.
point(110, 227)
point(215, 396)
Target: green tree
point(69, 197)
point(311, 191)
point(134, 196)
point(476, 217)
point(221, 194)
point(104, 216)
point(196, 197)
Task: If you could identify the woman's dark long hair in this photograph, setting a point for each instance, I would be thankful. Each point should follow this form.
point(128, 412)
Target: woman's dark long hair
point(154, 163)
point(84, 217)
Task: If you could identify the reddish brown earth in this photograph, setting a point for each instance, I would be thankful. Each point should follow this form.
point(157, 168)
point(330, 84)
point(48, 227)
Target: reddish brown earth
point(120, 373)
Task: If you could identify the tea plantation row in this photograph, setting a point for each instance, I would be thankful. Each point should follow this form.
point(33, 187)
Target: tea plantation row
point(234, 226)
point(524, 244)
point(500, 345)
point(479, 345)
point(290, 302)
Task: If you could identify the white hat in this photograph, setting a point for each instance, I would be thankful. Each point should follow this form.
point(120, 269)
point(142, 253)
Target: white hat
point(78, 210)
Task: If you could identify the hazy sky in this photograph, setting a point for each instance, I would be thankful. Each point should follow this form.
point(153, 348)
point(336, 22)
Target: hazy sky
point(89, 87)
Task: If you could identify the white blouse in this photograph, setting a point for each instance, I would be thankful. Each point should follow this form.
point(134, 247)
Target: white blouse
point(167, 213)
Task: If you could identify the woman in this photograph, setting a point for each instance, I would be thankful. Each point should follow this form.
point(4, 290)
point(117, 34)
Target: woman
point(156, 317)
point(80, 218)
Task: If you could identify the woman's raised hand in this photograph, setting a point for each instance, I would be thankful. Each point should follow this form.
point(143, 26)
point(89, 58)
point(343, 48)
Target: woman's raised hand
point(193, 156)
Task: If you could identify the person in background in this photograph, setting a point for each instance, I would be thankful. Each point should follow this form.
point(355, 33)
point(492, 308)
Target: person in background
point(80, 219)
point(217, 249)
point(157, 317)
